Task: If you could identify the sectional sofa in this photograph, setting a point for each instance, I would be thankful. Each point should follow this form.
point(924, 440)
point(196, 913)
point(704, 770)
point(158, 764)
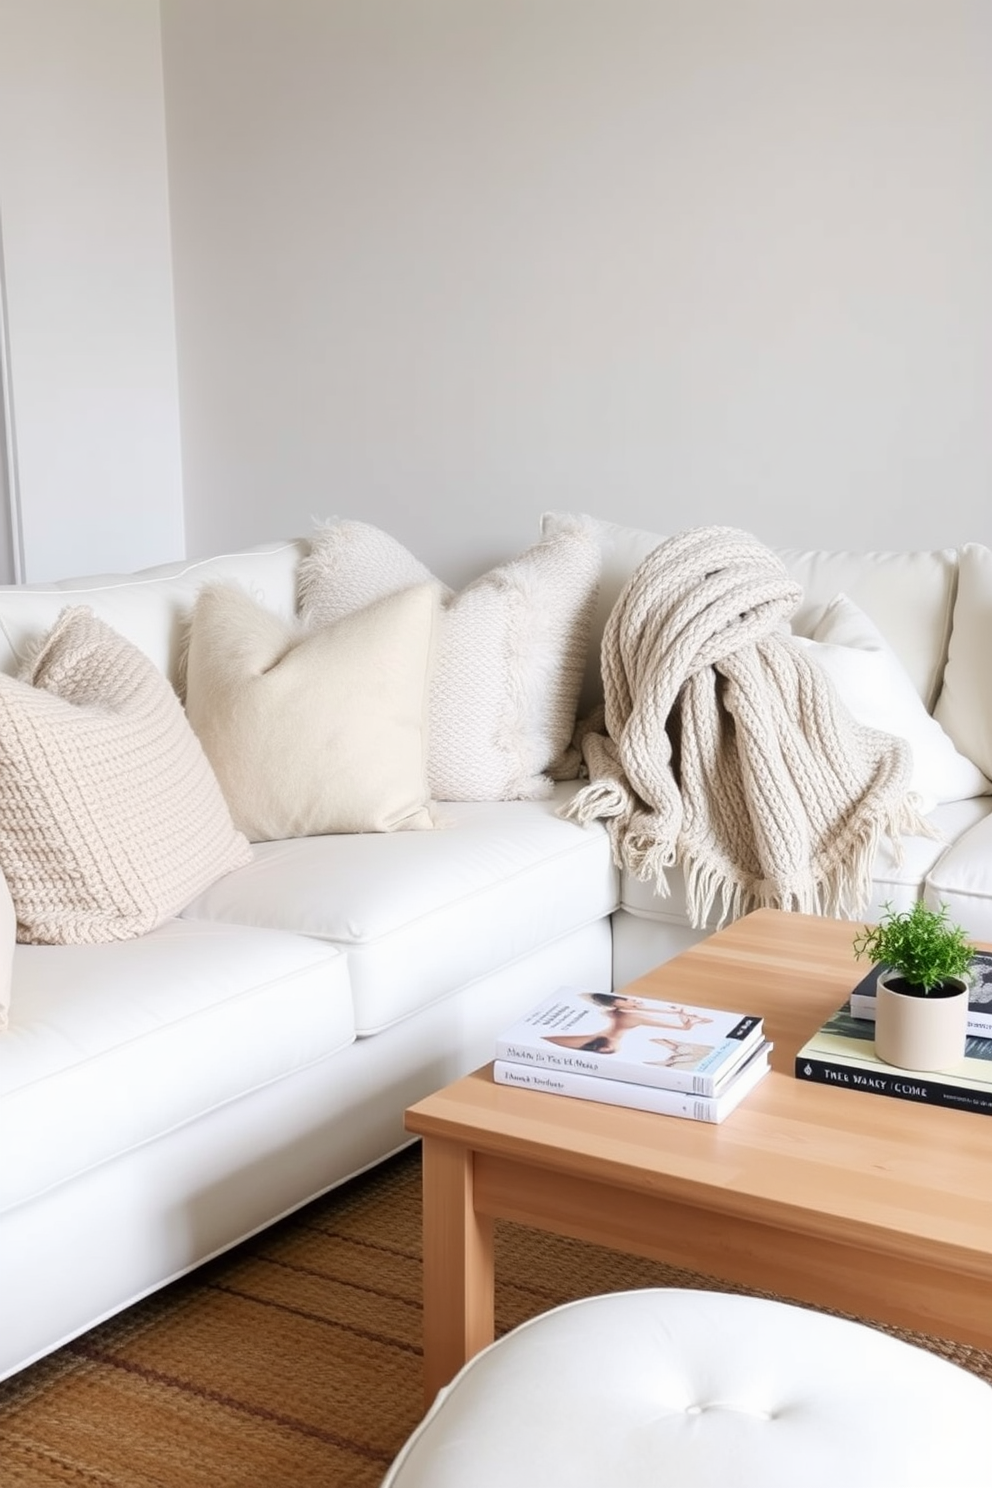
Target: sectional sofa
point(238, 962)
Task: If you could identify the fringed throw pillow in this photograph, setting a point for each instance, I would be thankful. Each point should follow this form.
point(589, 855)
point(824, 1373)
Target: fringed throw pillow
point(510, 656)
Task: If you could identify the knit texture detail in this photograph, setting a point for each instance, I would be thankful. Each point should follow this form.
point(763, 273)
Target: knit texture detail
point(111, 818)
point(724, 749)
point(509, 659)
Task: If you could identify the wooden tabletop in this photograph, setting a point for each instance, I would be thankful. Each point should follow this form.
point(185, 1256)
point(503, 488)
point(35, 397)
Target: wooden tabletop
point(820, 1159)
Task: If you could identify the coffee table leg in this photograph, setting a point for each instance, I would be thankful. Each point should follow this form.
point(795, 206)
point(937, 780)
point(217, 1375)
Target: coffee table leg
point(458, 1265)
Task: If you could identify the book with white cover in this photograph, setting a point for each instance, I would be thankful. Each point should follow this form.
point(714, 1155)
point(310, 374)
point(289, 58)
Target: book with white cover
point(712, 1108)
point(643, 1040)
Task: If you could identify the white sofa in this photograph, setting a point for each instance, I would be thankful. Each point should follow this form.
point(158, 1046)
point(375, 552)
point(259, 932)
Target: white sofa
point(933, 611)
point(163, 1097)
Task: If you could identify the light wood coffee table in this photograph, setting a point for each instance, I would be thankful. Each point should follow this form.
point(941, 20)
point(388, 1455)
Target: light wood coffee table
point(874, 1206)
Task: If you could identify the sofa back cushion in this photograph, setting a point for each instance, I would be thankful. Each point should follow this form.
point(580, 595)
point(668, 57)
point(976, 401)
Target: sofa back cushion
point(909, 596)
point(150, 608)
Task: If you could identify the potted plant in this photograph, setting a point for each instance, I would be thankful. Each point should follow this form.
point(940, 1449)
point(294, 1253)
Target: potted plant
point(921, 1000)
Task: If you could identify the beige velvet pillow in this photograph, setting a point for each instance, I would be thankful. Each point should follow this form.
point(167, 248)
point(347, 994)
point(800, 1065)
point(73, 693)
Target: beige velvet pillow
point(314, 731)
point(111, 819)
point(8, 936)
point(510, 653)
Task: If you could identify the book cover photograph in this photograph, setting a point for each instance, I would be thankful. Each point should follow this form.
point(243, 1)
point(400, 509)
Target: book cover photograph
point(842, 1053)
point(643, 1040)
point(979, 998)
point(711, 1108)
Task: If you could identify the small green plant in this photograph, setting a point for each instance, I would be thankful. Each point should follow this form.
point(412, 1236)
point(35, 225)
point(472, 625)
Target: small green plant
point(919, 944)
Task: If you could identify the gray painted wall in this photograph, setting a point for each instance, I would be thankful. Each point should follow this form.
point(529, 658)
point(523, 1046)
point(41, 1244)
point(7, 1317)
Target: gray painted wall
point(441, 264)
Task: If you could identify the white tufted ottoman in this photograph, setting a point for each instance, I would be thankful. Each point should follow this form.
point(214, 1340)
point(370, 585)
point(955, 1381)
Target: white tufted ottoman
point(687, 1389)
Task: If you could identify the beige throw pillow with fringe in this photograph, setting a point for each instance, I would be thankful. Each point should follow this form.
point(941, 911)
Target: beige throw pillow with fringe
point(510, 655)
point(111, 819)
point(312, 732)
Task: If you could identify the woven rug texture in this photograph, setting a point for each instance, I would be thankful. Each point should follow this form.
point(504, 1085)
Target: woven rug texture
point(293, 1361)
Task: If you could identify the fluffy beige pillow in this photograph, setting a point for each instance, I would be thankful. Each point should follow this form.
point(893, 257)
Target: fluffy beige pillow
point(111, 819)
point(314, 732)
point(510, 653)
point(8, 936)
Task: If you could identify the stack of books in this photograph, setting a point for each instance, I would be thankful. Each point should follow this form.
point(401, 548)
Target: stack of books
point(668, 1057)
point(979, 999)
point(842, 1053)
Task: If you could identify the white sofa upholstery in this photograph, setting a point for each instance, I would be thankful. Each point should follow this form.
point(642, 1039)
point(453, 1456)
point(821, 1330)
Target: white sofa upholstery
point(164, 1097)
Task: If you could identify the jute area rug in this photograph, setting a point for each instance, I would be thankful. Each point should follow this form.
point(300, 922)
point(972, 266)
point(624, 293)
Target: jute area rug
point(290, 1362)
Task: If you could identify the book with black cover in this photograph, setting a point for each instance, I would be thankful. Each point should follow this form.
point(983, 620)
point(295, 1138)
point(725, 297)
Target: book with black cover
point(842, 1053)
point(643, 1040)
point(712, 1108)
point(979, 999)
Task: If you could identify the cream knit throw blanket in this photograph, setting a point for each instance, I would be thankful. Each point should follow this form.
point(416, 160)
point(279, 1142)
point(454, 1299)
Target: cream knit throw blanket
point(727, 750)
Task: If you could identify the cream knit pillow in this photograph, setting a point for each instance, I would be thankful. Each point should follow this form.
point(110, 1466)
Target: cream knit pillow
point(510, 653)
point(314, 732)
point(110, 817)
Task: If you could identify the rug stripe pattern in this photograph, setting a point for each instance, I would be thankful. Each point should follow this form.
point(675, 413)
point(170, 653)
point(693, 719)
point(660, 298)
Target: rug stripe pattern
point(293, 1360)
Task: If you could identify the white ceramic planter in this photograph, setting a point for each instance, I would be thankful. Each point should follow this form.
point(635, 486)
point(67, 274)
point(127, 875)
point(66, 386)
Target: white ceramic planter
point(920, 1033)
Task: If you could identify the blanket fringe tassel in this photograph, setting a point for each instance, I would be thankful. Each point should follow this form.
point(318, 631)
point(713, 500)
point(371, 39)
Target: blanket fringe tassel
point(601, 798)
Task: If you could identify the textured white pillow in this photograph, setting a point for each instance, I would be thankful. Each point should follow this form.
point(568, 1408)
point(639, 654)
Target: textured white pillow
point(8, 936)
point(111, 819)
point(314, 731)
point(964, 707)
point(510, 653)
point(877, 691)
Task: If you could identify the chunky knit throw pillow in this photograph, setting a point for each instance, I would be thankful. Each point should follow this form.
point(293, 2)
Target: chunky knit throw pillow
point(111, 819)
point(510, 654)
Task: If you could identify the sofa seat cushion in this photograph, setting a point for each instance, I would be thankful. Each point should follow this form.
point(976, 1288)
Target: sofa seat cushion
point(110, 1046)
point(898, 878)
point(962, 879)
point(422, 914)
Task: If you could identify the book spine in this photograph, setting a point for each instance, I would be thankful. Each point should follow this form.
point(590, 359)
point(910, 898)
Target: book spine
point(609, 1092)
point(863, 1006)
point(903, 1086)
point(608, 1067)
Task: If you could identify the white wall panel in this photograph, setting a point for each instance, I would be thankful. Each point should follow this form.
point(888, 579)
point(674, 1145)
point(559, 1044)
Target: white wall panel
point(87, 259)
